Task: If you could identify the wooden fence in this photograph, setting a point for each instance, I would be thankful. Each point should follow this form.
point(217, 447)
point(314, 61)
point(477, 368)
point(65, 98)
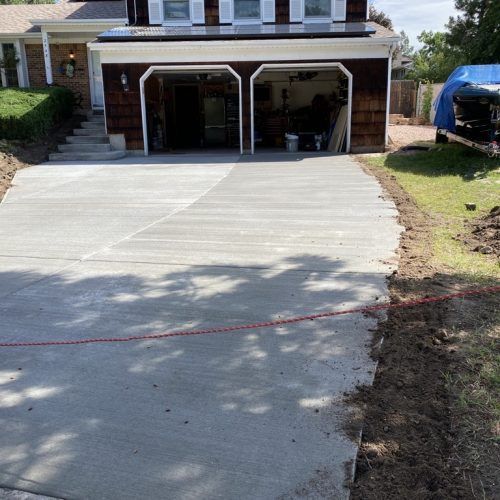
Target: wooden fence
point(403, 98)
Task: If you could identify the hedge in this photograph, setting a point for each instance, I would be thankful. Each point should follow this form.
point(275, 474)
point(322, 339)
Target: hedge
point(29, 113)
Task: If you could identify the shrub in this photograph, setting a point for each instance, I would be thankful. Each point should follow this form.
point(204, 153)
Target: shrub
point(29, 113)
point(427, 101)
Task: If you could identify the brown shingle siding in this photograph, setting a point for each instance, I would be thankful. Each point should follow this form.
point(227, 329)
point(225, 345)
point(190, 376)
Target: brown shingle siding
point(356, 10)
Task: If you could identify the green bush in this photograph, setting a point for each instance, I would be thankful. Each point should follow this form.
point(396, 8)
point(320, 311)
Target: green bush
point(29, 113)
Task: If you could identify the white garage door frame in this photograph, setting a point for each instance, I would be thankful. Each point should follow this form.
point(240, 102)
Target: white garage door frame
point(298, 66)
point(186, 68)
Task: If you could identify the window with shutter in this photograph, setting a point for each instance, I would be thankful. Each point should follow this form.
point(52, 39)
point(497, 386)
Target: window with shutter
point(198, 11)
point(296, 10)
point(155, 14)
point(340, 10)
point(225, 11)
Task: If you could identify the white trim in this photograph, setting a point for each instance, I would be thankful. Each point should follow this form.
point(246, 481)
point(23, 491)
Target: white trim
point(21, 73)
point(90, 67)
point(189, 68)
point(186, 22)
point(77, 22)
point(24, 62)
point(286, 67)
point(224, 51)
point(392, 48)
point(247, 22)
point(46, 58)
point(12, 36)
point(316, 20)
point(3, 77)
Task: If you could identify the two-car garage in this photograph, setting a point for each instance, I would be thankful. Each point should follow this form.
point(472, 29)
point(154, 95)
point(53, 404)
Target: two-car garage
point(188, 108)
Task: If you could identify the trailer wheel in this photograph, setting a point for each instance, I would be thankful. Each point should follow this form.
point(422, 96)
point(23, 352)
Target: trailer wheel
point(441, 139)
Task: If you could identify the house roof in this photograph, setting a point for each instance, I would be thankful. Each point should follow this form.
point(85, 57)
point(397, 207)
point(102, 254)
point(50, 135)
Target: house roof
point(16, 19)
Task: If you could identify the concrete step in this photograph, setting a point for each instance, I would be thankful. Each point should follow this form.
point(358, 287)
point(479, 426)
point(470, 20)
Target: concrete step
point(90, 131)
point(87, 139)
point(96, 112)
point(95, 118)
point(105, 156)
point(91, 125)
point(84, 148)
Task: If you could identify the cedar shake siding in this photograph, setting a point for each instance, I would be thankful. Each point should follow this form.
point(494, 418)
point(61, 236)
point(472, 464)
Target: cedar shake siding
point(141, 8)
point(356, 12)
point(123, 109)
point(60, 53)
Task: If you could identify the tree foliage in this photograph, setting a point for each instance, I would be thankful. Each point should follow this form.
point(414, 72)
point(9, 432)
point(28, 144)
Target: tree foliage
point(476, 31)
point(404, 45)
point(380, 17)
point(436, 59)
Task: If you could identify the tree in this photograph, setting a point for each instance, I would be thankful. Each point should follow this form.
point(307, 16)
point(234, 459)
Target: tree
point(380, 17)
point(404, 45)
point(477, 30)
point(436, 59)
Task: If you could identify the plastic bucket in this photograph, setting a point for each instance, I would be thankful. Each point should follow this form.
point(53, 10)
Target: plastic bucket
point(292, 143)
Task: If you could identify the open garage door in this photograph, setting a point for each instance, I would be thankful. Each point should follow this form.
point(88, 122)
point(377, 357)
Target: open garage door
point(302, 106)
point(191, 108)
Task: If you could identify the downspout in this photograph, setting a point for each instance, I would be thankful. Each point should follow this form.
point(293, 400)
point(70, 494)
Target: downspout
point(392, 48)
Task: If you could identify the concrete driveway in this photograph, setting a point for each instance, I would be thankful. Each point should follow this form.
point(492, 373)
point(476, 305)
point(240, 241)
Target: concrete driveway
point(186, 242)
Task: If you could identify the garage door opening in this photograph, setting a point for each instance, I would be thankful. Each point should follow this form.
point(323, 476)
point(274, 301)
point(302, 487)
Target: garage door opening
point(304, 106)
point(191, 109)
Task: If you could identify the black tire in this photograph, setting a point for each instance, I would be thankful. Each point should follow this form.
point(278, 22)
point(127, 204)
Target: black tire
point(441, 139)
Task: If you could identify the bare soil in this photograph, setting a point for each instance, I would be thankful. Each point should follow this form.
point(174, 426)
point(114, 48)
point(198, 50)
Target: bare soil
point(15, 155)
point(484, 234)
point(413, 444)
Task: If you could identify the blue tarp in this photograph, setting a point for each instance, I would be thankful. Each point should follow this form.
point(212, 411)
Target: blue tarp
point(463, 75)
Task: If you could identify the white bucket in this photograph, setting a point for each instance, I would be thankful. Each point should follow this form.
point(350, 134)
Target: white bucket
point(292, 143)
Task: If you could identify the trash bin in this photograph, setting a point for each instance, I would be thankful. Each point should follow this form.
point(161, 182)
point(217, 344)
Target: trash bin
point(292, 143)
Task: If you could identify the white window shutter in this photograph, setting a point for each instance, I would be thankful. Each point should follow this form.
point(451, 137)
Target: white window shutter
point(225, 11)
point(268, 11)
point(154, 9)
point(340, 10)
point(296, 11)
point(198, 11)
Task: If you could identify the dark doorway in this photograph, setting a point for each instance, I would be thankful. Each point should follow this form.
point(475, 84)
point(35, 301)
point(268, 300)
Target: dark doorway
point(187, 117)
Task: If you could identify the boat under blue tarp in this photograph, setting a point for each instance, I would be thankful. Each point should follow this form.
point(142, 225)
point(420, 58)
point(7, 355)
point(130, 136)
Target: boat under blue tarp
point(462, 76)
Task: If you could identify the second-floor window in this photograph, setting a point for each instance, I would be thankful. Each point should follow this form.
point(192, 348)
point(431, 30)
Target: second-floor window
point(247, 9)
point(176, 10)
point(318, 8)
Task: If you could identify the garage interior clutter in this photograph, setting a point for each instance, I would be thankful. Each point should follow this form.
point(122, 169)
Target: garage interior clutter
point(304, 110)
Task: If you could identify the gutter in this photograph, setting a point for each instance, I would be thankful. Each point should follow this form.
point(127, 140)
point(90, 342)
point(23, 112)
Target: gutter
point(265, 43)
point(66, 22)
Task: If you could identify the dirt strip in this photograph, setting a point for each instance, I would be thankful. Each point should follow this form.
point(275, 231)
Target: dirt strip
point(414, 445)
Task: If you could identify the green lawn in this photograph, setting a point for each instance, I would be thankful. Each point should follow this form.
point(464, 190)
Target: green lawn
point(441, 182)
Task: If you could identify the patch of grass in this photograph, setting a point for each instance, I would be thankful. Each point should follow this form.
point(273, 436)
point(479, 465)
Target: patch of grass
point(441, 182)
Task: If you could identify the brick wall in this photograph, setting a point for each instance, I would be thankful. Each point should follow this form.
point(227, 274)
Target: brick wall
point(60, 53)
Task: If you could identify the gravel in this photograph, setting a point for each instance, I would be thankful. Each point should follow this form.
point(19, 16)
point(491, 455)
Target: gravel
point(403, 135)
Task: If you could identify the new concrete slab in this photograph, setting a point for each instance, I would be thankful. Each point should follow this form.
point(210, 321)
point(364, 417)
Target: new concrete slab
point(165, 244)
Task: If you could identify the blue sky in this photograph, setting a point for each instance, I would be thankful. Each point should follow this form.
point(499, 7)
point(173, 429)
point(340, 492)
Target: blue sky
point(416, 16)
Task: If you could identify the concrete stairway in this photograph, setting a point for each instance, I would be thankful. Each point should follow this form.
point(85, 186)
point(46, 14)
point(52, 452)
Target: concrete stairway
point(89, 142)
